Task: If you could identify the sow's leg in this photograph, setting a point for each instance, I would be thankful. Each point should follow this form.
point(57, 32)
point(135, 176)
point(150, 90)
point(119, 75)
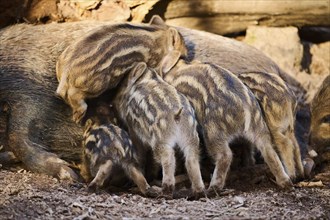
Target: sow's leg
point(40, 132)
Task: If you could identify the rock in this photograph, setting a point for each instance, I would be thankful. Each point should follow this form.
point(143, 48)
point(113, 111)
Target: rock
point(284, 47)
point(41, 11)
point(310, 82)
point(280, 44)
point(320, 63)
point(112, 11)
point(102, 10)
point(140, 12)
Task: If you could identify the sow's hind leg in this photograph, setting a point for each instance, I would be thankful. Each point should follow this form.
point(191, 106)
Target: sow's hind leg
point(28, 143)
point(36, 159)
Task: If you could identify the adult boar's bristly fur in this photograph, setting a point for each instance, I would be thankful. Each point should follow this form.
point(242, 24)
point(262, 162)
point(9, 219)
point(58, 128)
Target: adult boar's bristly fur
point(226, 110)
point(39, 131)
point(99, 60)
point(39, 126)
point(161, 118)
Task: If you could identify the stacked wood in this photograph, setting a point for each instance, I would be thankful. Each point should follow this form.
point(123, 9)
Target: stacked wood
point(45, 11)
point(225, 17)
point(217, 16)
point(105, 10)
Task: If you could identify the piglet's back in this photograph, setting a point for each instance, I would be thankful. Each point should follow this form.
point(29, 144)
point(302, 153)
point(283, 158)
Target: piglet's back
point(211, 89)
point(151, 104)
point(105, 54)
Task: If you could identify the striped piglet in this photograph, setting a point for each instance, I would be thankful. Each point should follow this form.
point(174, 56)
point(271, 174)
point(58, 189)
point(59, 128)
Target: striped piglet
point(226, 110)
point(99, 60)
point(161, 118)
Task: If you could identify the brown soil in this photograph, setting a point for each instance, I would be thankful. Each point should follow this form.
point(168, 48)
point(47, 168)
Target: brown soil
point(250, 193)
point(25, 195)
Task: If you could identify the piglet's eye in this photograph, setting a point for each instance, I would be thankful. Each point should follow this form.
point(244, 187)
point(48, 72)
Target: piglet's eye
point(326, 119)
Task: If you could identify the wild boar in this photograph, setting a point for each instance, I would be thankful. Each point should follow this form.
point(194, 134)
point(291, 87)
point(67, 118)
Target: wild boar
point(226, 110)
point(320, 121)
point(40, 128)
point(161, 118)
point(100, 59)
point(107, 145)
point(278, 105)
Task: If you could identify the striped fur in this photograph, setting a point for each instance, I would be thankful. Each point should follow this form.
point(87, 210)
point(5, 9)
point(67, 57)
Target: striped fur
point(278, 103)
point(107, 145)
point(320, 121)
point(99, 60)
point(161, 118)
point(226, 110)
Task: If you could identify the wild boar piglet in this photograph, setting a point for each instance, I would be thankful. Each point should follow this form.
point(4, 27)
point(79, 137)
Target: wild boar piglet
point(320, 122)
point(99, 60)
point(225, 109)
point(278, 104)
point(161, 118)
point(106, 146)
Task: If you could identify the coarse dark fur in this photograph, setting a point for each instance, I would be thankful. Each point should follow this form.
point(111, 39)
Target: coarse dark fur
point(40, 131)
point(39, 124)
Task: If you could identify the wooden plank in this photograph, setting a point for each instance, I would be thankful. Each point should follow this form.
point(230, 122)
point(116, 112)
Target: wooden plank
point(223, 16)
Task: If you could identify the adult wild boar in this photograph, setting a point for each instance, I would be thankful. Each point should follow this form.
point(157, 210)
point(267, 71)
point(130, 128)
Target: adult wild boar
point(40, 130)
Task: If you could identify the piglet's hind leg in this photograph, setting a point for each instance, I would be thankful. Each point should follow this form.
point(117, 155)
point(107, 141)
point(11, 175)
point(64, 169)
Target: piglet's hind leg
point(136, 175)
point(102, 174)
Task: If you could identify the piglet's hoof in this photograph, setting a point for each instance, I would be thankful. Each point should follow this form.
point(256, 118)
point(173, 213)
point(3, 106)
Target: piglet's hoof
point(153, 192)
point(167, 191)
point(286, 184)
point(93, 188)
point(198, 195)
point(308, 166)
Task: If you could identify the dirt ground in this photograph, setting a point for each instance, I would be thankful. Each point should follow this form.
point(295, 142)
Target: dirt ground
point(25, 195)
point(249, 193)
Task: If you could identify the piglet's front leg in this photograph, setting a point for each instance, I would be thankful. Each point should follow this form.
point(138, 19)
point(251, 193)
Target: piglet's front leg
point(76, 100)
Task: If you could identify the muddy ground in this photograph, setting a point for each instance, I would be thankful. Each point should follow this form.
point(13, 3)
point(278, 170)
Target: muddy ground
point(252, 194)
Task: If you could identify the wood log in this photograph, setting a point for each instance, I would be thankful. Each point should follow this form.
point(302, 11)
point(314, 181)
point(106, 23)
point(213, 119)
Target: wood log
point(225, 17)
point(140, 11)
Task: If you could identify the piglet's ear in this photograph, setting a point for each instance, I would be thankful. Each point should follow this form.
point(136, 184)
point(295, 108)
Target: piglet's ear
point(157, 20)
point(137, 72)
point(169, 61)
point(174, 38)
